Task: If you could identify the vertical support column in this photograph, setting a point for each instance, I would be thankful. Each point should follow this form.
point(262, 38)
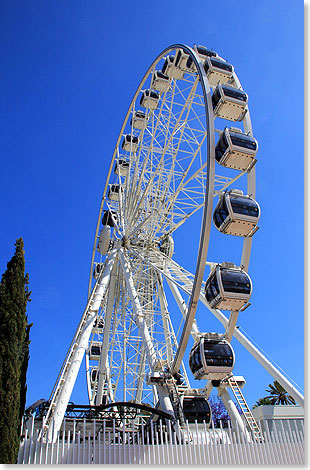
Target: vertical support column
point(232, 322)
point(79, 348)
point(105, 343)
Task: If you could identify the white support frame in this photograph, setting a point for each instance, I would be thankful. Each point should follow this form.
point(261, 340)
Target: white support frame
point(63, 392)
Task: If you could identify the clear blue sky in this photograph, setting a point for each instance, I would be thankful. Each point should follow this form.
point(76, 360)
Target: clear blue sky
point(69, 70)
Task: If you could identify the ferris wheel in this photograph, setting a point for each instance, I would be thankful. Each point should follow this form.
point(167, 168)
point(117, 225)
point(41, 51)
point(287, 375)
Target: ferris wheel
point(184, 152)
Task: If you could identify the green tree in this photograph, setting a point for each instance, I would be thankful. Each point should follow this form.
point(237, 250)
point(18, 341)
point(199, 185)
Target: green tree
point(14, 353)
point(278, 395)
point(262, 401)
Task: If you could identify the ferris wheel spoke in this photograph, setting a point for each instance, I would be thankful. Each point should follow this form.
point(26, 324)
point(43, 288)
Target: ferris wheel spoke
point(135, 195)
point(169, 335)
point(165, 149)
point(183, 307)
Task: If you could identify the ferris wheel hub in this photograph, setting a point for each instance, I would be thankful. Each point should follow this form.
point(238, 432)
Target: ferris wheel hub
point(125, 242)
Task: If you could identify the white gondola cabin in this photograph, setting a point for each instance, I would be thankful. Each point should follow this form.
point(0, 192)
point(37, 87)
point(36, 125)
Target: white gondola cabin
point(217, 70)
point(104, 240)
point(107, 218)
point(229, 102)
point(196, 409)
point(139, 120)
point(181, 61)
point(236, 214)
point(203, 52)
point(114, 192)
point(160, 82)
point(95, 351)
point(236, 150)
point(185, 61)
point(97, 270)
point(171, 69)
point(149, 99)
point(98, 326)
point(121, 167)
point(167, 246)
point(130, 143)
point(228, 287)
point(211, 358)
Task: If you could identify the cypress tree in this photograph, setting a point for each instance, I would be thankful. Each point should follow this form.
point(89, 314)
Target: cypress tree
point(14, 353)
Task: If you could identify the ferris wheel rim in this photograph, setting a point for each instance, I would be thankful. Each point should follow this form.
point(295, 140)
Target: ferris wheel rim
point(207, 213)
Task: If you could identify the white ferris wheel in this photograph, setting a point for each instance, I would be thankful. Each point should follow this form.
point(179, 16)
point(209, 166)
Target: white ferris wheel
point(185, 148)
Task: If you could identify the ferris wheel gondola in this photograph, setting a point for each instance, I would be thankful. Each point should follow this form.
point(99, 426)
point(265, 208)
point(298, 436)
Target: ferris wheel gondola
point(108, 218)
point(121, 167)
point(149, 99)
point(229, 102)
point(130, 143)
point(236, 214)
point(218, 71)
point(211, 358)
point(235, 149)
point(228, 287)
point(139, 120)
point(196, 409)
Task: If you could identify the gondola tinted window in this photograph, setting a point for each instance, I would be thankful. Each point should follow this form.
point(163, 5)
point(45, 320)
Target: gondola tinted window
point(107, 218)
point(235, 281)
point(218, 354)
point(209, 294)
point(195, 359)
point(214, 287)
point(161, 75)
point(115, 188)
point(196, 409)
point(233, 93)
point(243, 141)
point(216, 97)
point(221, 147)
point(95, 350)
point(220, 213)
point(140, 114)
point(219, 64)
point(244, 205)
point(131, 138)
point(204, 51)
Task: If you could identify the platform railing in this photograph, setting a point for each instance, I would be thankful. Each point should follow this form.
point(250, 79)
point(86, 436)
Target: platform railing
point(97, 442)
